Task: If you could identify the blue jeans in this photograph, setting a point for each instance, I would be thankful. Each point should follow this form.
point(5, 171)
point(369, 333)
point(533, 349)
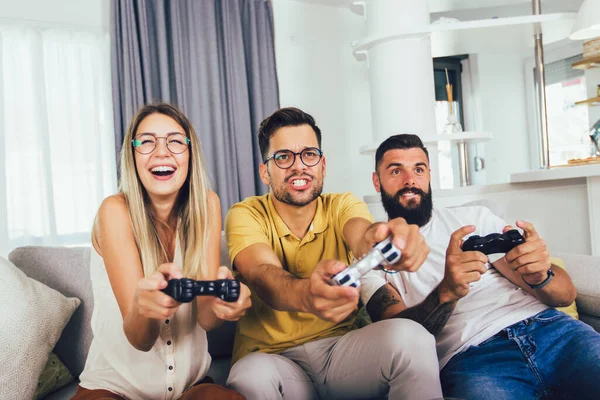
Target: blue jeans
point(547, 356)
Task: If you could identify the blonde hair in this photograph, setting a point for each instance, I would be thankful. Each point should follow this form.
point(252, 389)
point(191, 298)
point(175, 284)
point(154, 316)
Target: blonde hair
point(191, 206)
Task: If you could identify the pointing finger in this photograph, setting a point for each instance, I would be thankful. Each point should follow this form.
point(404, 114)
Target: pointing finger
point(456, 239)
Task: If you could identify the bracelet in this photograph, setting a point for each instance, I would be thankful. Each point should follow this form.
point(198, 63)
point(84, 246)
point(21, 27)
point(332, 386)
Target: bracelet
point(542, 284)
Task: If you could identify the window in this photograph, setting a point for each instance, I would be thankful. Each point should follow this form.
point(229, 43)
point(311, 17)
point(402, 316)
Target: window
point(56, 134)
point(568, 124)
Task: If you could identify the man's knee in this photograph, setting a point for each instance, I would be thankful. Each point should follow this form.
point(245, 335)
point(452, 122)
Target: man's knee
point(405, 334)
point(255, 369)
point(256, 376)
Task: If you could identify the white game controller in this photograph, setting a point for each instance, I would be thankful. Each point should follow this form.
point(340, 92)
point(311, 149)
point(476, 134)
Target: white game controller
point(383, 253)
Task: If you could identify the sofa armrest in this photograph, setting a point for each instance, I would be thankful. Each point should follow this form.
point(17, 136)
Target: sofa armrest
point(585, 273)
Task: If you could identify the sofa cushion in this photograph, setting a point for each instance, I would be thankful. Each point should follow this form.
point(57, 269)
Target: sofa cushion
point(54, 377)
point(66, 270)
point(585, 274)
point(572, 309)
point(68, 392)
point(33, 317)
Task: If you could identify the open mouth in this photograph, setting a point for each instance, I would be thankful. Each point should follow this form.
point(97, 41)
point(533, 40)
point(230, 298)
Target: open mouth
point(409, 194)
point(162, 171)
point(299, 182)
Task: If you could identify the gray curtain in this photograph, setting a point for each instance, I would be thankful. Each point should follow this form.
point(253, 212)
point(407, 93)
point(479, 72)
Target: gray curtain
point(215, 60)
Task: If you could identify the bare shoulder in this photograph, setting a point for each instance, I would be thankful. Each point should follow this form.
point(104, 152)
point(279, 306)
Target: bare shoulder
point(114, 204)
point(112, 221)
point(113, 210)
point(213, 200)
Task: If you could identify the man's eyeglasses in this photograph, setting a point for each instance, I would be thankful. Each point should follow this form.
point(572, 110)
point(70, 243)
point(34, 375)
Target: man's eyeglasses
point(145, 143)
point(284, 159)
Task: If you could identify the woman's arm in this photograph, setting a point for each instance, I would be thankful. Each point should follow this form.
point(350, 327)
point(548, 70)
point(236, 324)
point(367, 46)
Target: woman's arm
point(206, 317)
point(211, 310)
point(141, 303)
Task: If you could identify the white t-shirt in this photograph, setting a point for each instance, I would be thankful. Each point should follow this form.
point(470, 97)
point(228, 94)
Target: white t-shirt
point(492, 303)
point(178, 359)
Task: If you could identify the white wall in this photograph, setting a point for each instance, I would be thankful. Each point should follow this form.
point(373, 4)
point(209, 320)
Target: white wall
point(317, 73)
point(503, 112)
point(92, 14)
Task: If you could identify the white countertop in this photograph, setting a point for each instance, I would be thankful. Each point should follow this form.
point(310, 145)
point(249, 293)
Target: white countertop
point(567, 172)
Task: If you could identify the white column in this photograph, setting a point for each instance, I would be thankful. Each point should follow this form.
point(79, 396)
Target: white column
point(401, 72)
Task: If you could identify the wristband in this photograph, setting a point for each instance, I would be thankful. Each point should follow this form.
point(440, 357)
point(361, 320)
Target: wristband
point(542, 284)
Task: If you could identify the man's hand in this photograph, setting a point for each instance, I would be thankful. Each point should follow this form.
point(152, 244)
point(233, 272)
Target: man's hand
point(407, 238)
point(229, 311)
point(530, 259)
point(331, 303)
point(462, 267)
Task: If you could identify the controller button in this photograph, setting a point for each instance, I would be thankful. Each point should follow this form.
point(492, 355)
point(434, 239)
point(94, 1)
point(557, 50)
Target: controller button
point(391, 257)
point(344, 279)
point(387, 248)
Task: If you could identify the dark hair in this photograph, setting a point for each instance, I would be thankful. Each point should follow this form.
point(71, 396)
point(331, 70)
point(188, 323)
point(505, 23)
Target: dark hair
point(401, 141)
point(283, 117)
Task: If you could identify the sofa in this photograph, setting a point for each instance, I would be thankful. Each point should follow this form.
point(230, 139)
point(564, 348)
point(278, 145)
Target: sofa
point(67, 270)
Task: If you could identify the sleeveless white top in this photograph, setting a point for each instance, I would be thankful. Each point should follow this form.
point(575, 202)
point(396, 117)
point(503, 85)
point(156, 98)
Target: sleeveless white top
point(178, 359)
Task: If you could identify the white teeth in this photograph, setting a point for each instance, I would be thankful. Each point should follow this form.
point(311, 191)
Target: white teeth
point(163, 168)
point(299, 182)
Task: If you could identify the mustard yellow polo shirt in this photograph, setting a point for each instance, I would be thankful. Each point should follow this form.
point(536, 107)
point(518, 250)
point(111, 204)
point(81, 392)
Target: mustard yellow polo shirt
point(255, 220)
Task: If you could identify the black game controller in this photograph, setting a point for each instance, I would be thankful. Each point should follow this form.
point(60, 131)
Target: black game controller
point(494, 242)
point(185, 290)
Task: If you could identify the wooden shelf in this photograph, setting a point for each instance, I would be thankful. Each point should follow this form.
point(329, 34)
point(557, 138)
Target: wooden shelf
point(595, 101)
point(587, 63)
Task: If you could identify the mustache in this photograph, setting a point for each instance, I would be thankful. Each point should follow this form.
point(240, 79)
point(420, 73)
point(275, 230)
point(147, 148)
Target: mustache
point(296, 175)
point(415, 190)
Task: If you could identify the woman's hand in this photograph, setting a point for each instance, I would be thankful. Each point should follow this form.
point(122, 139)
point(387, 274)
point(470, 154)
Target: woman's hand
point(150, 302)
point(235, 310)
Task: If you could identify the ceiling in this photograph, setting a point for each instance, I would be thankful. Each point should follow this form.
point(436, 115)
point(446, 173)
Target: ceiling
point(449, 6)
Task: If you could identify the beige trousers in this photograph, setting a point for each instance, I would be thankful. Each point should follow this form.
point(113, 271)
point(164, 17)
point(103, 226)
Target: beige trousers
point(395, 358)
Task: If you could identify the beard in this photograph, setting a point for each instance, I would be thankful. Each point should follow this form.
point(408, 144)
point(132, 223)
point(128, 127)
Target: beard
point(283, 195)
point(414, 213)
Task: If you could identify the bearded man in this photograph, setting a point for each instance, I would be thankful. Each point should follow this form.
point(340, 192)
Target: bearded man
point(498, 335)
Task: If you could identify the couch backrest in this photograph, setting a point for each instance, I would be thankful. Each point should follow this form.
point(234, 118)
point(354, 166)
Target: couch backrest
point(66, 270)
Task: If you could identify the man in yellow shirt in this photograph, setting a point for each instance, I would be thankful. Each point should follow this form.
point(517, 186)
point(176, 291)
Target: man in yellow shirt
point(297, 339)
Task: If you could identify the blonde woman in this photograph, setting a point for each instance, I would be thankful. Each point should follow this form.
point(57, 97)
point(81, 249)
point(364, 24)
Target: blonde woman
point(164, 223)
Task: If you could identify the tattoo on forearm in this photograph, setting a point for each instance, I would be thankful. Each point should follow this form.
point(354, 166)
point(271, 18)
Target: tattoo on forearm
point(429, 313)
point(380, 302)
